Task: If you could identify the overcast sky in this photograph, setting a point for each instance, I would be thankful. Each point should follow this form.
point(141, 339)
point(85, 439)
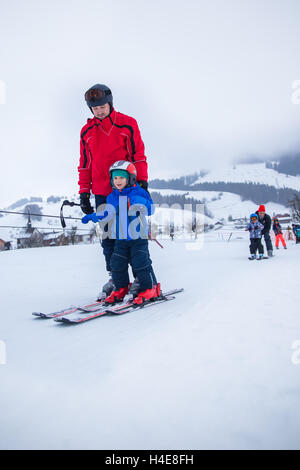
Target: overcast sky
point(208, 81)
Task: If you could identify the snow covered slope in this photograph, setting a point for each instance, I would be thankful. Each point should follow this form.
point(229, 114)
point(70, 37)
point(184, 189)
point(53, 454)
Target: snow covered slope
point(222, 205)
point(251, 172)
point(215, 368)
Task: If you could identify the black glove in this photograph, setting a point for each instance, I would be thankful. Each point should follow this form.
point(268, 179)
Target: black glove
point(144, 185)
point(85, 203)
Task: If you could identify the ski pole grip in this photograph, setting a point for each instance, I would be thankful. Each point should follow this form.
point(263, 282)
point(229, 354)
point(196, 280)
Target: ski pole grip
point(69, 203)
point(66, 203)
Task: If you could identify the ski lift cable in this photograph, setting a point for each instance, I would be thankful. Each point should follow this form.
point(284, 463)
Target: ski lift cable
point(61, 216)
point(38, 215)
point(50, 229)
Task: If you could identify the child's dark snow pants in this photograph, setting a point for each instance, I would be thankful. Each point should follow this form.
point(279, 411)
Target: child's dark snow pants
point(255, 244)
point(136, 252)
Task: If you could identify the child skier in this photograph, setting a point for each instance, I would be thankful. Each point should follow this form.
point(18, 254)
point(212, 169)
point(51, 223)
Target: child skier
point(130, 232)
point(255, 228)
point(278, 234)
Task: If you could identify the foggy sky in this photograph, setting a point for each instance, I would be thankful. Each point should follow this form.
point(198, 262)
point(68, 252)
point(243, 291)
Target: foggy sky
point(207, 81)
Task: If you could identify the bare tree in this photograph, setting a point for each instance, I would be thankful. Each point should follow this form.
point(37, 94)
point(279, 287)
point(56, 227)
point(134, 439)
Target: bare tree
point(295, 206)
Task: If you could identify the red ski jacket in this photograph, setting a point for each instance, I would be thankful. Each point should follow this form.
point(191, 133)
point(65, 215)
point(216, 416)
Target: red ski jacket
point(102, 143)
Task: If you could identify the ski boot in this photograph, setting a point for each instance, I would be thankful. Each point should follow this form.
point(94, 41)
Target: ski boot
point(148, 294)
point(133, 291)
point(261, 256)
point(270, 253)
point(252, 257)
point(106, 289)
point(116, 295)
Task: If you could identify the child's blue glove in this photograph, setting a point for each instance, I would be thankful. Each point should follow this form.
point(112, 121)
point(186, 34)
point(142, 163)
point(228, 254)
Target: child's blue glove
point(93, 217)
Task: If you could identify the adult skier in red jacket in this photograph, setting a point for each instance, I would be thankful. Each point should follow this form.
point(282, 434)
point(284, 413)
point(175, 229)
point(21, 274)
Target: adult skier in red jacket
point(107, 137)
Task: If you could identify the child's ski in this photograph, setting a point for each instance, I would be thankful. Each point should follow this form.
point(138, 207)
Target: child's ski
point(118, 308)
point(91, 307)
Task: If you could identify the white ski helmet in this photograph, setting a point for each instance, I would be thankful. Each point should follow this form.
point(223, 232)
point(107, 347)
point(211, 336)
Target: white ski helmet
point(128, 167)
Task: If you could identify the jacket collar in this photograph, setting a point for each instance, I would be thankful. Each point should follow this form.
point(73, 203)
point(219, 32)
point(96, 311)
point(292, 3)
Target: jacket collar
point(107, 123)
point(123, 192)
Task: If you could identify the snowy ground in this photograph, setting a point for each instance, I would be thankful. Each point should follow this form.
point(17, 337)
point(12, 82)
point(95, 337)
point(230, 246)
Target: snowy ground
point(213, 369)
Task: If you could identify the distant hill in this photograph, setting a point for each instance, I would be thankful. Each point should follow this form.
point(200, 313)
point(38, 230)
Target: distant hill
point(288, 165)
point(256, 182)
point(23, 201)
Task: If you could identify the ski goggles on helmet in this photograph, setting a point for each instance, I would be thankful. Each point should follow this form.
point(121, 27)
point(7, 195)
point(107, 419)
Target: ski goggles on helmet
point(122, 173)
point(96, 94)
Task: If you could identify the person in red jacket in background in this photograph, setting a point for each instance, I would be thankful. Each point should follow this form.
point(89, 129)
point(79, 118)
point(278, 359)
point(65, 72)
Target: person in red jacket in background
point(107, 137)
point(278, 234)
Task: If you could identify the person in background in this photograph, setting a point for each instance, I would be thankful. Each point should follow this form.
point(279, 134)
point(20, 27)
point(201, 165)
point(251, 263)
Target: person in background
point(255, 228)
point(296, 230)
point(278, 234)
point(266, 220)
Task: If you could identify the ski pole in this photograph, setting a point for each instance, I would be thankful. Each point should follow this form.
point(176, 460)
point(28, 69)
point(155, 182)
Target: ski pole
point(154, 240)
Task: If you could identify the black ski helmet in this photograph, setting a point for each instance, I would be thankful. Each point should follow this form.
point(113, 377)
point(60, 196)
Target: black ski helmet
point(98, 95)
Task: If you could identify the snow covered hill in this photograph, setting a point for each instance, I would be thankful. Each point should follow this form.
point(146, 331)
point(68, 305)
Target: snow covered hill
point(222, 205)
point(251, 173)
point(216, 368)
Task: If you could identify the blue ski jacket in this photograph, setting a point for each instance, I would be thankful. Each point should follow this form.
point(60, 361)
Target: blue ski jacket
point(125, 211)
point(255, 229)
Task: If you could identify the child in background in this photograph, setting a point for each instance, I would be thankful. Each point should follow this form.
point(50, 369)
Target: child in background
point(278, 234)
point(255, 228)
